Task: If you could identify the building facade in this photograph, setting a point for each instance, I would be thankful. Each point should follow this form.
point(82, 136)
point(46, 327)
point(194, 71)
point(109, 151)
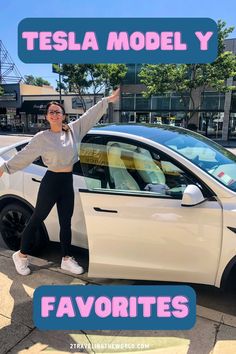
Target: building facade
point(10, 103)
point(22, 107)
point(215, 117)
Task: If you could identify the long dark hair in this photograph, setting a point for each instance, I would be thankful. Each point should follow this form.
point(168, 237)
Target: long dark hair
point(65, 126)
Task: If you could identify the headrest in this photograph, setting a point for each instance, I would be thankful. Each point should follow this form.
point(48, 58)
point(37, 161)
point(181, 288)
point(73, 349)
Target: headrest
point(114, 150)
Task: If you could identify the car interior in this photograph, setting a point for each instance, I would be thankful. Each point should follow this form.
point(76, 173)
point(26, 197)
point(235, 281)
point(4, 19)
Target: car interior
point(123, 167)
point(120, 167)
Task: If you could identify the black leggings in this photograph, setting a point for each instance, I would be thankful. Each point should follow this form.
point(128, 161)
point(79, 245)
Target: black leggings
point(55, 187)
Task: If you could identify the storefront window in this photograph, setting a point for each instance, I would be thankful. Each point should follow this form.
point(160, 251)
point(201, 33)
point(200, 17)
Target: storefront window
point(142, 117)
point(156, 118)
point(132, 118)
point(233, 102)
point(127, 102)
point(161, 102)
point(212, 101)
point(177, 102)
point(222, 101)
point(211, 124)
point(142, 103)
point(232, 126)
point(128, 117)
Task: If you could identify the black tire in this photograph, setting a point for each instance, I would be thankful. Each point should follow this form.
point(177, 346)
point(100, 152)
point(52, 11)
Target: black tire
point(13, 219)
point(230, 286)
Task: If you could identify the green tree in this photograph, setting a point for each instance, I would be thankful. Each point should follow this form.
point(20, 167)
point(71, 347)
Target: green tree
point(1, 91)
point(83, 79)
point(186, 79)
point(35, 80)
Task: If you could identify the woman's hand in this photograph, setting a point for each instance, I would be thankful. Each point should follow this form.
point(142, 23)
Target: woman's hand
point(115, 96)
point(1, 173)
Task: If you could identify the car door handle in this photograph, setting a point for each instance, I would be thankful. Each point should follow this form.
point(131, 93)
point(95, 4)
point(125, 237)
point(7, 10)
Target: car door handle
point(105, 210)
point(36, 180)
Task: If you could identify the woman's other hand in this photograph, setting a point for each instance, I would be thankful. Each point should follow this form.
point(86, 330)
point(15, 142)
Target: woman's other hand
point(114, 96)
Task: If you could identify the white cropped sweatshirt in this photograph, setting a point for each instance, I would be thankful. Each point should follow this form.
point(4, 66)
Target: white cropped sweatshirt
point(58, 150)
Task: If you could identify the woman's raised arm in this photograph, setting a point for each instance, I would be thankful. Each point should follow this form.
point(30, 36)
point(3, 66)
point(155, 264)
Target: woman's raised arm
point(81, 126)
point(24, 157)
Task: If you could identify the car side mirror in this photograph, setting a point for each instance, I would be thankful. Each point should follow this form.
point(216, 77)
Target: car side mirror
point(192, 196)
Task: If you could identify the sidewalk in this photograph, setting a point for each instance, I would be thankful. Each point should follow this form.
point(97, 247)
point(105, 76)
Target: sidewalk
point(213, 333)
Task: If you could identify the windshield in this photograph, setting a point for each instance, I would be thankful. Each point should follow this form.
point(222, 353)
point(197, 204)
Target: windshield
point(204, 153)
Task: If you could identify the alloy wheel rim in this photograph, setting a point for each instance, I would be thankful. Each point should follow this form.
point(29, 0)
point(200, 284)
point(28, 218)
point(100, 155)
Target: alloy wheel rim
point(12, 225)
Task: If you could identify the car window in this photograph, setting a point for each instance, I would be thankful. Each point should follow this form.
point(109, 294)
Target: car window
point(93, 162)
point(77, 169)
point(20, 147)
point(39, 162)
point(206, 154)
point(118, 166)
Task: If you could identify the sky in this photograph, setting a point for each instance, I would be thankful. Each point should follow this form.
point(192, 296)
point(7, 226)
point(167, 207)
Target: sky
point(13, 11)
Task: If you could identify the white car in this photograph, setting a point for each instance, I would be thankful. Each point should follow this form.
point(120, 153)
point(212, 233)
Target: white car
point(151, 202)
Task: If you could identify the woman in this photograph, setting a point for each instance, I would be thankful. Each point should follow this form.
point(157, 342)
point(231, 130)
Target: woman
point(58, 147)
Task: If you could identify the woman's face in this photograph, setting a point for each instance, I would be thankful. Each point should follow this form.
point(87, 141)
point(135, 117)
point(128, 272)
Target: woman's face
point(55, 115)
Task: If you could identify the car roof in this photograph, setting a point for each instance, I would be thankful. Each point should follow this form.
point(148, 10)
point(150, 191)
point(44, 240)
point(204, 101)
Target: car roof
point(149, 131)
point(156, 132)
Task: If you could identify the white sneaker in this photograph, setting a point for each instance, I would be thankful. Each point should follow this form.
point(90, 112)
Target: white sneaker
point(71, 265)
point(21, 264)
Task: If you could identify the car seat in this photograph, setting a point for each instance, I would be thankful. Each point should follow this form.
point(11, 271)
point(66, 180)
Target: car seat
point(147, 168)
point(119, 175)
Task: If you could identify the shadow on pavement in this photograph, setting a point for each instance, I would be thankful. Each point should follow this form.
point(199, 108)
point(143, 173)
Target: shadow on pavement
point(18, 332)
point(16, 310)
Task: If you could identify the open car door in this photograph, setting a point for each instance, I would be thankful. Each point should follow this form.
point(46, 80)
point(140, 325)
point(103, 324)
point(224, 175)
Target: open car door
point(136, 232)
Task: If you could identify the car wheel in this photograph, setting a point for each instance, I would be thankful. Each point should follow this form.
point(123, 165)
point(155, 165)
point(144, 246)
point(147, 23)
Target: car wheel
point(13, 219)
